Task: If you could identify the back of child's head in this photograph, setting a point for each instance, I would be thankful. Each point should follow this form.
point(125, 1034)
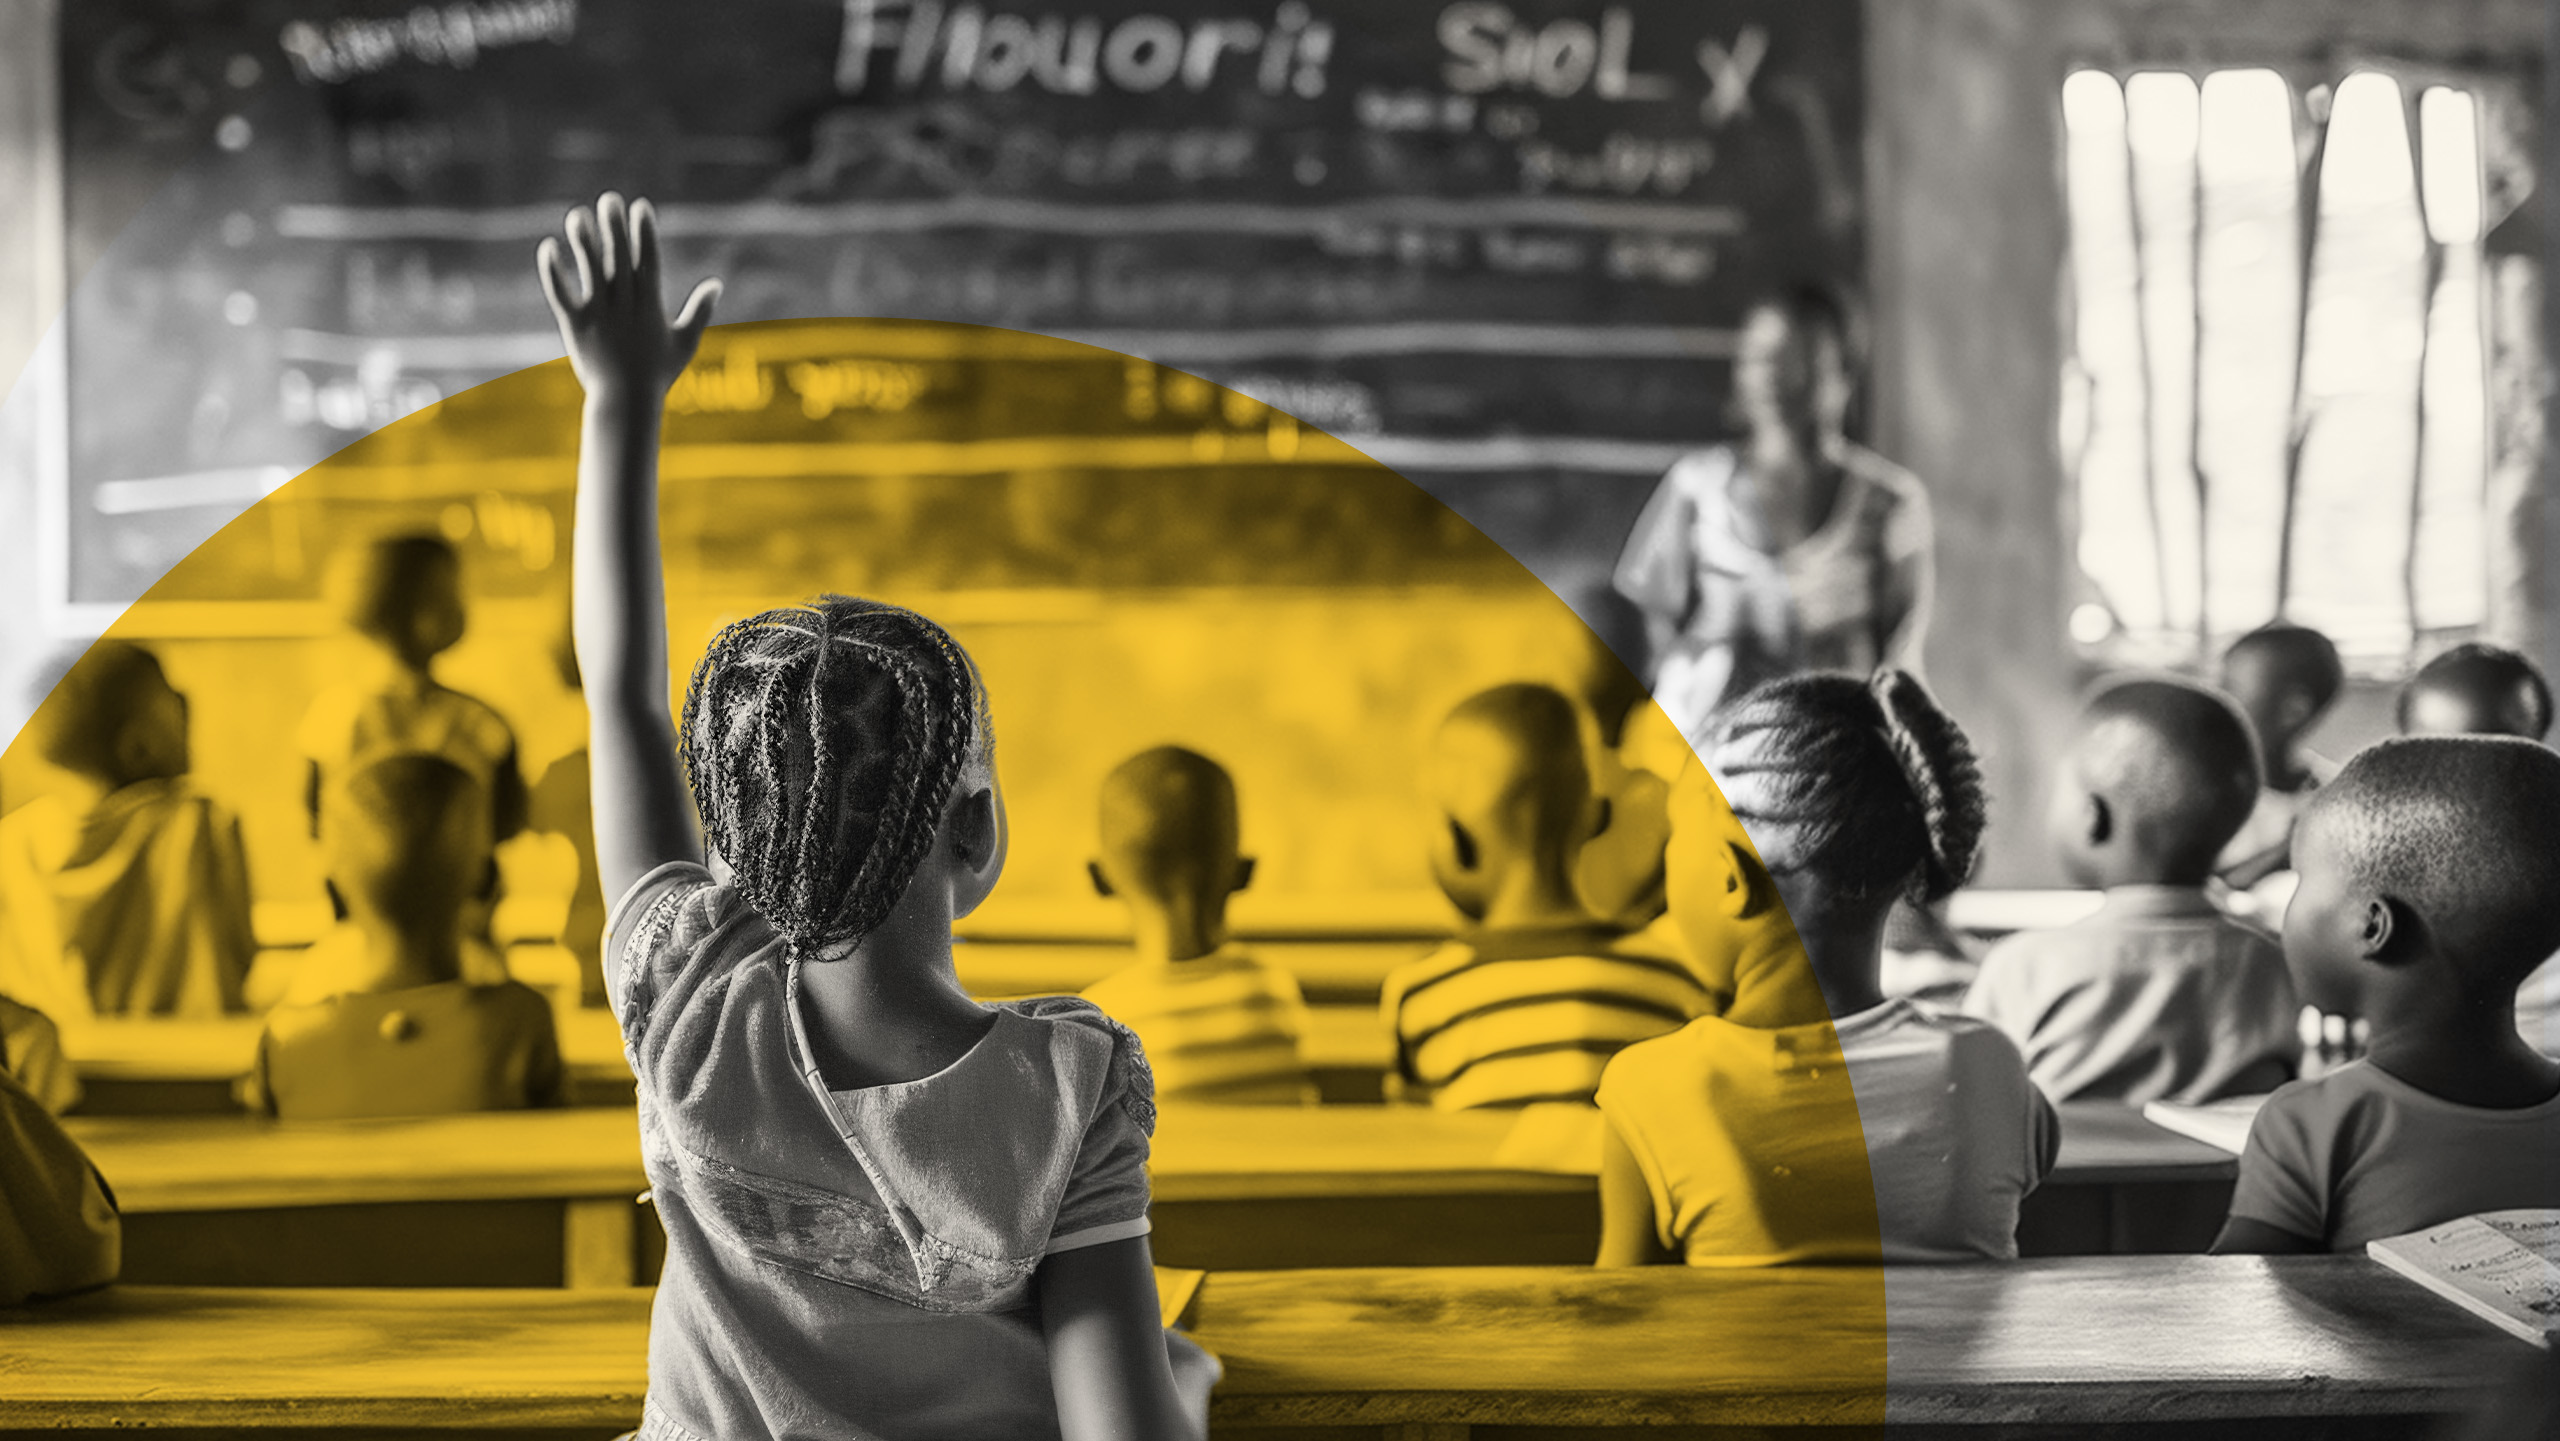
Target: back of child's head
point(1508, 765)
point(2477, 689)
point(824, 744)
point(1168, 825)
point(111, 716)
point(2284, 675)
point(2177, 766)
point(402, 592)
point(1865, 786)
point(2466, 831)
point(408, 840)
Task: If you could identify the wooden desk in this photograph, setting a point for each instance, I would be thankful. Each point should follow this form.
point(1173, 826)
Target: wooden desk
point(544, 1198)
point(186, 1068)
point(2318, 1346)
point(335, 1360)
point(2233, 1346)
point(509, 1199)
point(1239, 1187)
point(2123, 1186)
point(131, 1067)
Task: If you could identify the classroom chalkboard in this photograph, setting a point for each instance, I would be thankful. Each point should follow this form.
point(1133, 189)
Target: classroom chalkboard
point(1497, 246)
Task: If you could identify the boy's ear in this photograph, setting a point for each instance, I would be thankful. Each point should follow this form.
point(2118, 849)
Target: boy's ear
point(2097, 819)
point(1749, 889)
point(1244, 874)
point(1101, 882)
point(1463, 846)
point(2389, 932)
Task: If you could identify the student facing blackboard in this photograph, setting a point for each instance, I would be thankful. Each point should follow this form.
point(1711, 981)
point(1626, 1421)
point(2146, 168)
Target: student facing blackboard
point(917, 1213)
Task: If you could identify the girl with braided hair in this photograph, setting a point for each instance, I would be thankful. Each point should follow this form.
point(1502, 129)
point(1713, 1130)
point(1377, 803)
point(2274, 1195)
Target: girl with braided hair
point(1817, 1120)
point(891, 1212)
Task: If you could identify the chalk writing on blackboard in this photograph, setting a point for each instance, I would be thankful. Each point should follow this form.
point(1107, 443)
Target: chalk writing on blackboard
point(1502, 242)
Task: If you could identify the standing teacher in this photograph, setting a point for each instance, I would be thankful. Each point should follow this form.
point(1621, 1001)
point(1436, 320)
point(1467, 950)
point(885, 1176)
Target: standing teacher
point(1795, 549)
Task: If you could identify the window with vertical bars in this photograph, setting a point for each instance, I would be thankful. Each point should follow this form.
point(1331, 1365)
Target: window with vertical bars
point(2284, 331)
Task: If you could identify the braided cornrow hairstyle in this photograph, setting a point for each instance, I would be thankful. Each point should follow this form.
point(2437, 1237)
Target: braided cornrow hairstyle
point(1868, 785)
point(822, 743)
point(1945, 779)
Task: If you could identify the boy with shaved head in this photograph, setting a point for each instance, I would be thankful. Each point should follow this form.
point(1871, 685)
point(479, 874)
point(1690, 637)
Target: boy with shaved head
point(1216, 1024)
point(2285, 677)
point(2158, 996)
point(1532, 1002)
point(2478, 689)
point(2428, 870)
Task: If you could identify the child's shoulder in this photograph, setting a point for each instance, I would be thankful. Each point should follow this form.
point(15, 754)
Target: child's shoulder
point(1083, 1042)
point(1703, 1044)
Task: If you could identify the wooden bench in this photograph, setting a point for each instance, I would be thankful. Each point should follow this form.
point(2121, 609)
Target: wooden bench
point(2232, 1346)
point(549, 1198)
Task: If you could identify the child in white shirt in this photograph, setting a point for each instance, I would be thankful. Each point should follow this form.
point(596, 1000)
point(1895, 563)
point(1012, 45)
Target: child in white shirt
point(2158, 996)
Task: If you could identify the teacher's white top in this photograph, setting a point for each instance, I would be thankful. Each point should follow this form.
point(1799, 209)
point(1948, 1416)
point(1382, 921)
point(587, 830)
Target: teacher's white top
point(1853, 596)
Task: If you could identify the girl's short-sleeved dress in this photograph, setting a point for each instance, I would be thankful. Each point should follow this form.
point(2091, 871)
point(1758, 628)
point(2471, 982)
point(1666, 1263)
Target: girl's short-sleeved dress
point(858, 1263)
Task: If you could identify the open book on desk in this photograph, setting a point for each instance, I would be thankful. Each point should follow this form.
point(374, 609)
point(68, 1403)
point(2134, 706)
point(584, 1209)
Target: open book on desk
point(2223, 1123)
point(2503, 1266)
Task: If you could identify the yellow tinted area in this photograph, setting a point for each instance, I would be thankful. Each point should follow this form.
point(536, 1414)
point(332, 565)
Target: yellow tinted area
point(1135, 557)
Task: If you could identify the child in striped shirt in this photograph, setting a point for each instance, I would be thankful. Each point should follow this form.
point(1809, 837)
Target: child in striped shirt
point(1529, 1005)
point(1217, 1025)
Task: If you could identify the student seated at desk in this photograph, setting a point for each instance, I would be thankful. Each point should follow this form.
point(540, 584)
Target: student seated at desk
point(2428, 868)
point(407, 841)
point(2158, 996)
point(59, 1231)
point(2284, 678)
point(129, 894)
point(2489, 690)
point(1216, 1024)
point(1776, 1133)
point(401, 599)
point(1530, 1004)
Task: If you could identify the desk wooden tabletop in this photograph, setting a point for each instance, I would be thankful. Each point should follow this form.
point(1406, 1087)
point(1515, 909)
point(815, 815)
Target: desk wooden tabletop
point(128, 1049)
point(215, 1163)
point(2078, 1342)
point(146, 1356)
point(193, 1163)
point(2104, 1143)
point(2050, 1344)
point(176, 1163)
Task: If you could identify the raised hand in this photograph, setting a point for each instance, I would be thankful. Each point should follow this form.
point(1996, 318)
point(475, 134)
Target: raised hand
point(612, 316)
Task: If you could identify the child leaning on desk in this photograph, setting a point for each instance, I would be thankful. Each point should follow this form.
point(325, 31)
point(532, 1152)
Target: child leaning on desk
point(889, 1210)
point(2428, 869)
point(1740, 1140)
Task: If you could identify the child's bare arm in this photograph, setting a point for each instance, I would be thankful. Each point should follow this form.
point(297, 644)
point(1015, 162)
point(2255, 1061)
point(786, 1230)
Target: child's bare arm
point(626, 354)
point(1107, 1359)
point(1627, 1234)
